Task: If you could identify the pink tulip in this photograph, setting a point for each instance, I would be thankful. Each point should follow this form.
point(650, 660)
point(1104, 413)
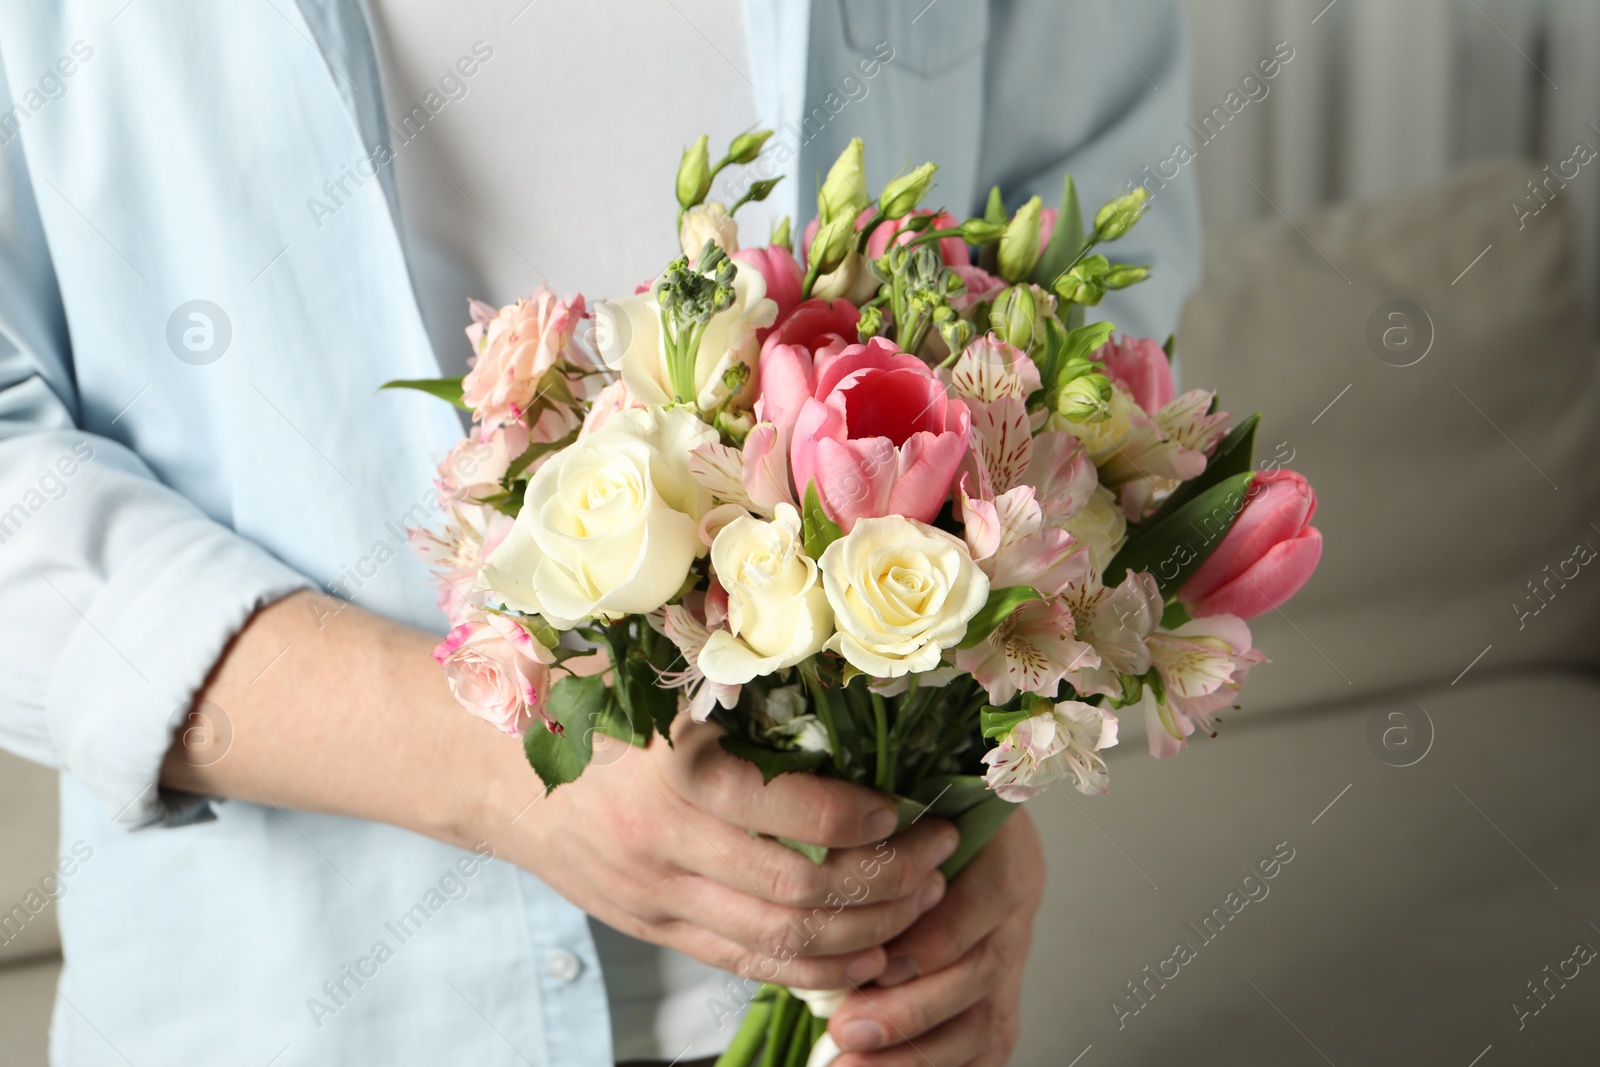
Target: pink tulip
point(783, 276)
point(1140, 366)
point(878, 434)
point(793, 352)
point(1265, 557)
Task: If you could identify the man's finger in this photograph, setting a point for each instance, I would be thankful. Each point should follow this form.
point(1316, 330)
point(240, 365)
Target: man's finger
point(980, 898)
point(802, 807)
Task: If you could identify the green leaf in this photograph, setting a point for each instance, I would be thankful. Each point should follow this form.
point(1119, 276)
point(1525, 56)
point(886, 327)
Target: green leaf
point(997, 722)
point(818, 530)
point(1231, 457)
point(771, 761)
point(977, 825)
point(817, 854)
point(1001, 603)
point(533, 452)
point(581, 706)
point(1066, 240)
point(1083, 342)
point(995, 209)
point(1175, 616)
point(443, 388)
point(1172, 549)
point(1170, 345)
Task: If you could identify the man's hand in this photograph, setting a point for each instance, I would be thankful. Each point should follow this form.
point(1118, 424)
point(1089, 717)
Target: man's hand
point(657, 845)
point(950, 992)
point(333, 709)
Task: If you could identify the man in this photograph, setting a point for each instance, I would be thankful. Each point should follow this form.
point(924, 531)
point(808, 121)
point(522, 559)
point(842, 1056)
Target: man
point(215, 240)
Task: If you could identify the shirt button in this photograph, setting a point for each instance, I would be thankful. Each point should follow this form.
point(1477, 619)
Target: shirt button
point(562, 965)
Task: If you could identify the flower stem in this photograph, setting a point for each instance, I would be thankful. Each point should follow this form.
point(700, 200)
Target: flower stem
point(880, 722)
point(741, 1051)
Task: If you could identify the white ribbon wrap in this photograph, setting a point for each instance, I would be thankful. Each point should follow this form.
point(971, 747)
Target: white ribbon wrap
point(823, 1003)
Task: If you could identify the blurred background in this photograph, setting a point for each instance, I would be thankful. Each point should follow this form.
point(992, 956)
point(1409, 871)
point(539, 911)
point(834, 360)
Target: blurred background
point(1416, 764)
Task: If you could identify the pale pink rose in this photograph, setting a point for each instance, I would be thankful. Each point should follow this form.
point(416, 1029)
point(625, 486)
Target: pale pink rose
point(1142, 367)
point(783, 275)
point(473, 469)
point(512, 352)
point(878, 434)
point(498, 672)
point(1265, 557)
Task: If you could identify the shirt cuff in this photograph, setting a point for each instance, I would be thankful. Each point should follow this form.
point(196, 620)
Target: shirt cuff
point(142, 649)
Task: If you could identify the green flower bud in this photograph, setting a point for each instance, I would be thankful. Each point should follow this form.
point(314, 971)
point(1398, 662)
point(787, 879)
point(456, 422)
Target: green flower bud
point(955, 331)
point(1085, 283)
point(747, 146)
point(834, 240)
point(694, 174)
point(981, 231)
point(901, 196)
point(870, 324)
point(1015, 316)
point(1118, 216)
point(1083, 399)
point(1122, 275)
point(844, 193)
point(1019, 245)
point(780, 234)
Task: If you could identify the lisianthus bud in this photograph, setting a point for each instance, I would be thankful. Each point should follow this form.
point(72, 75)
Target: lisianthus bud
point(1122, 275)
point(956, 332)
point(735, 425)
point(1085, 283)
point(694, 174)
point(834, 240)
point(1019, 245)
point(844, 193)
point(1083, 397)
point(747, 146)
point(901, 196)
point(1118, 216)
point(1015, 316)
point(981, 231)
point(708, 222)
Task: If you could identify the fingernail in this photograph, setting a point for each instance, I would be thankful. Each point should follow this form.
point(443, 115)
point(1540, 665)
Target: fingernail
point(899, 969)
point(879, 825)
point(862, 968)
point(931, 895)
point(858, 1035)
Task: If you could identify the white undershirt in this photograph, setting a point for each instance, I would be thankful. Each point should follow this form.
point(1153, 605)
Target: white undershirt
point(554, 161)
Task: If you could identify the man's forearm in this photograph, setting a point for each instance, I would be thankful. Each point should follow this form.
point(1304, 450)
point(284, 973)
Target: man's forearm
point(334, 709)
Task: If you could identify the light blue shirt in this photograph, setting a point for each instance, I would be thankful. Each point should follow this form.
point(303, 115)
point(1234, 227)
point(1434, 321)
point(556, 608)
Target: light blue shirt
point(189, 429)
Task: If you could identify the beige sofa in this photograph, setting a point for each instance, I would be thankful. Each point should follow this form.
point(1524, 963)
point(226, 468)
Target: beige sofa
point(1409, 906)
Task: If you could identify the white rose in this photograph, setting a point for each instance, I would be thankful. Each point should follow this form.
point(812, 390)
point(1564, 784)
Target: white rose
point(629, 337)
point(610, 524)
point(901, 593)
point(1100, 525)
point(777, 612)
point(708, 222)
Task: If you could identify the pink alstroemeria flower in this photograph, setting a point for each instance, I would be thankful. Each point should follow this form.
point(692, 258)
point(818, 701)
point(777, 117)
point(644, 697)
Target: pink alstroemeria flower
point(878, 434)
point(1265, 557)
point(1142, 367)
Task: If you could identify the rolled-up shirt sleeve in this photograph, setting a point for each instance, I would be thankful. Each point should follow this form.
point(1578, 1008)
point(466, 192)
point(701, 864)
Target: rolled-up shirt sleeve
point(118, 593)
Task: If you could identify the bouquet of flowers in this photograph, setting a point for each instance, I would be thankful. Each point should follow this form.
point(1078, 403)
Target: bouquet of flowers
point(885, 509)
